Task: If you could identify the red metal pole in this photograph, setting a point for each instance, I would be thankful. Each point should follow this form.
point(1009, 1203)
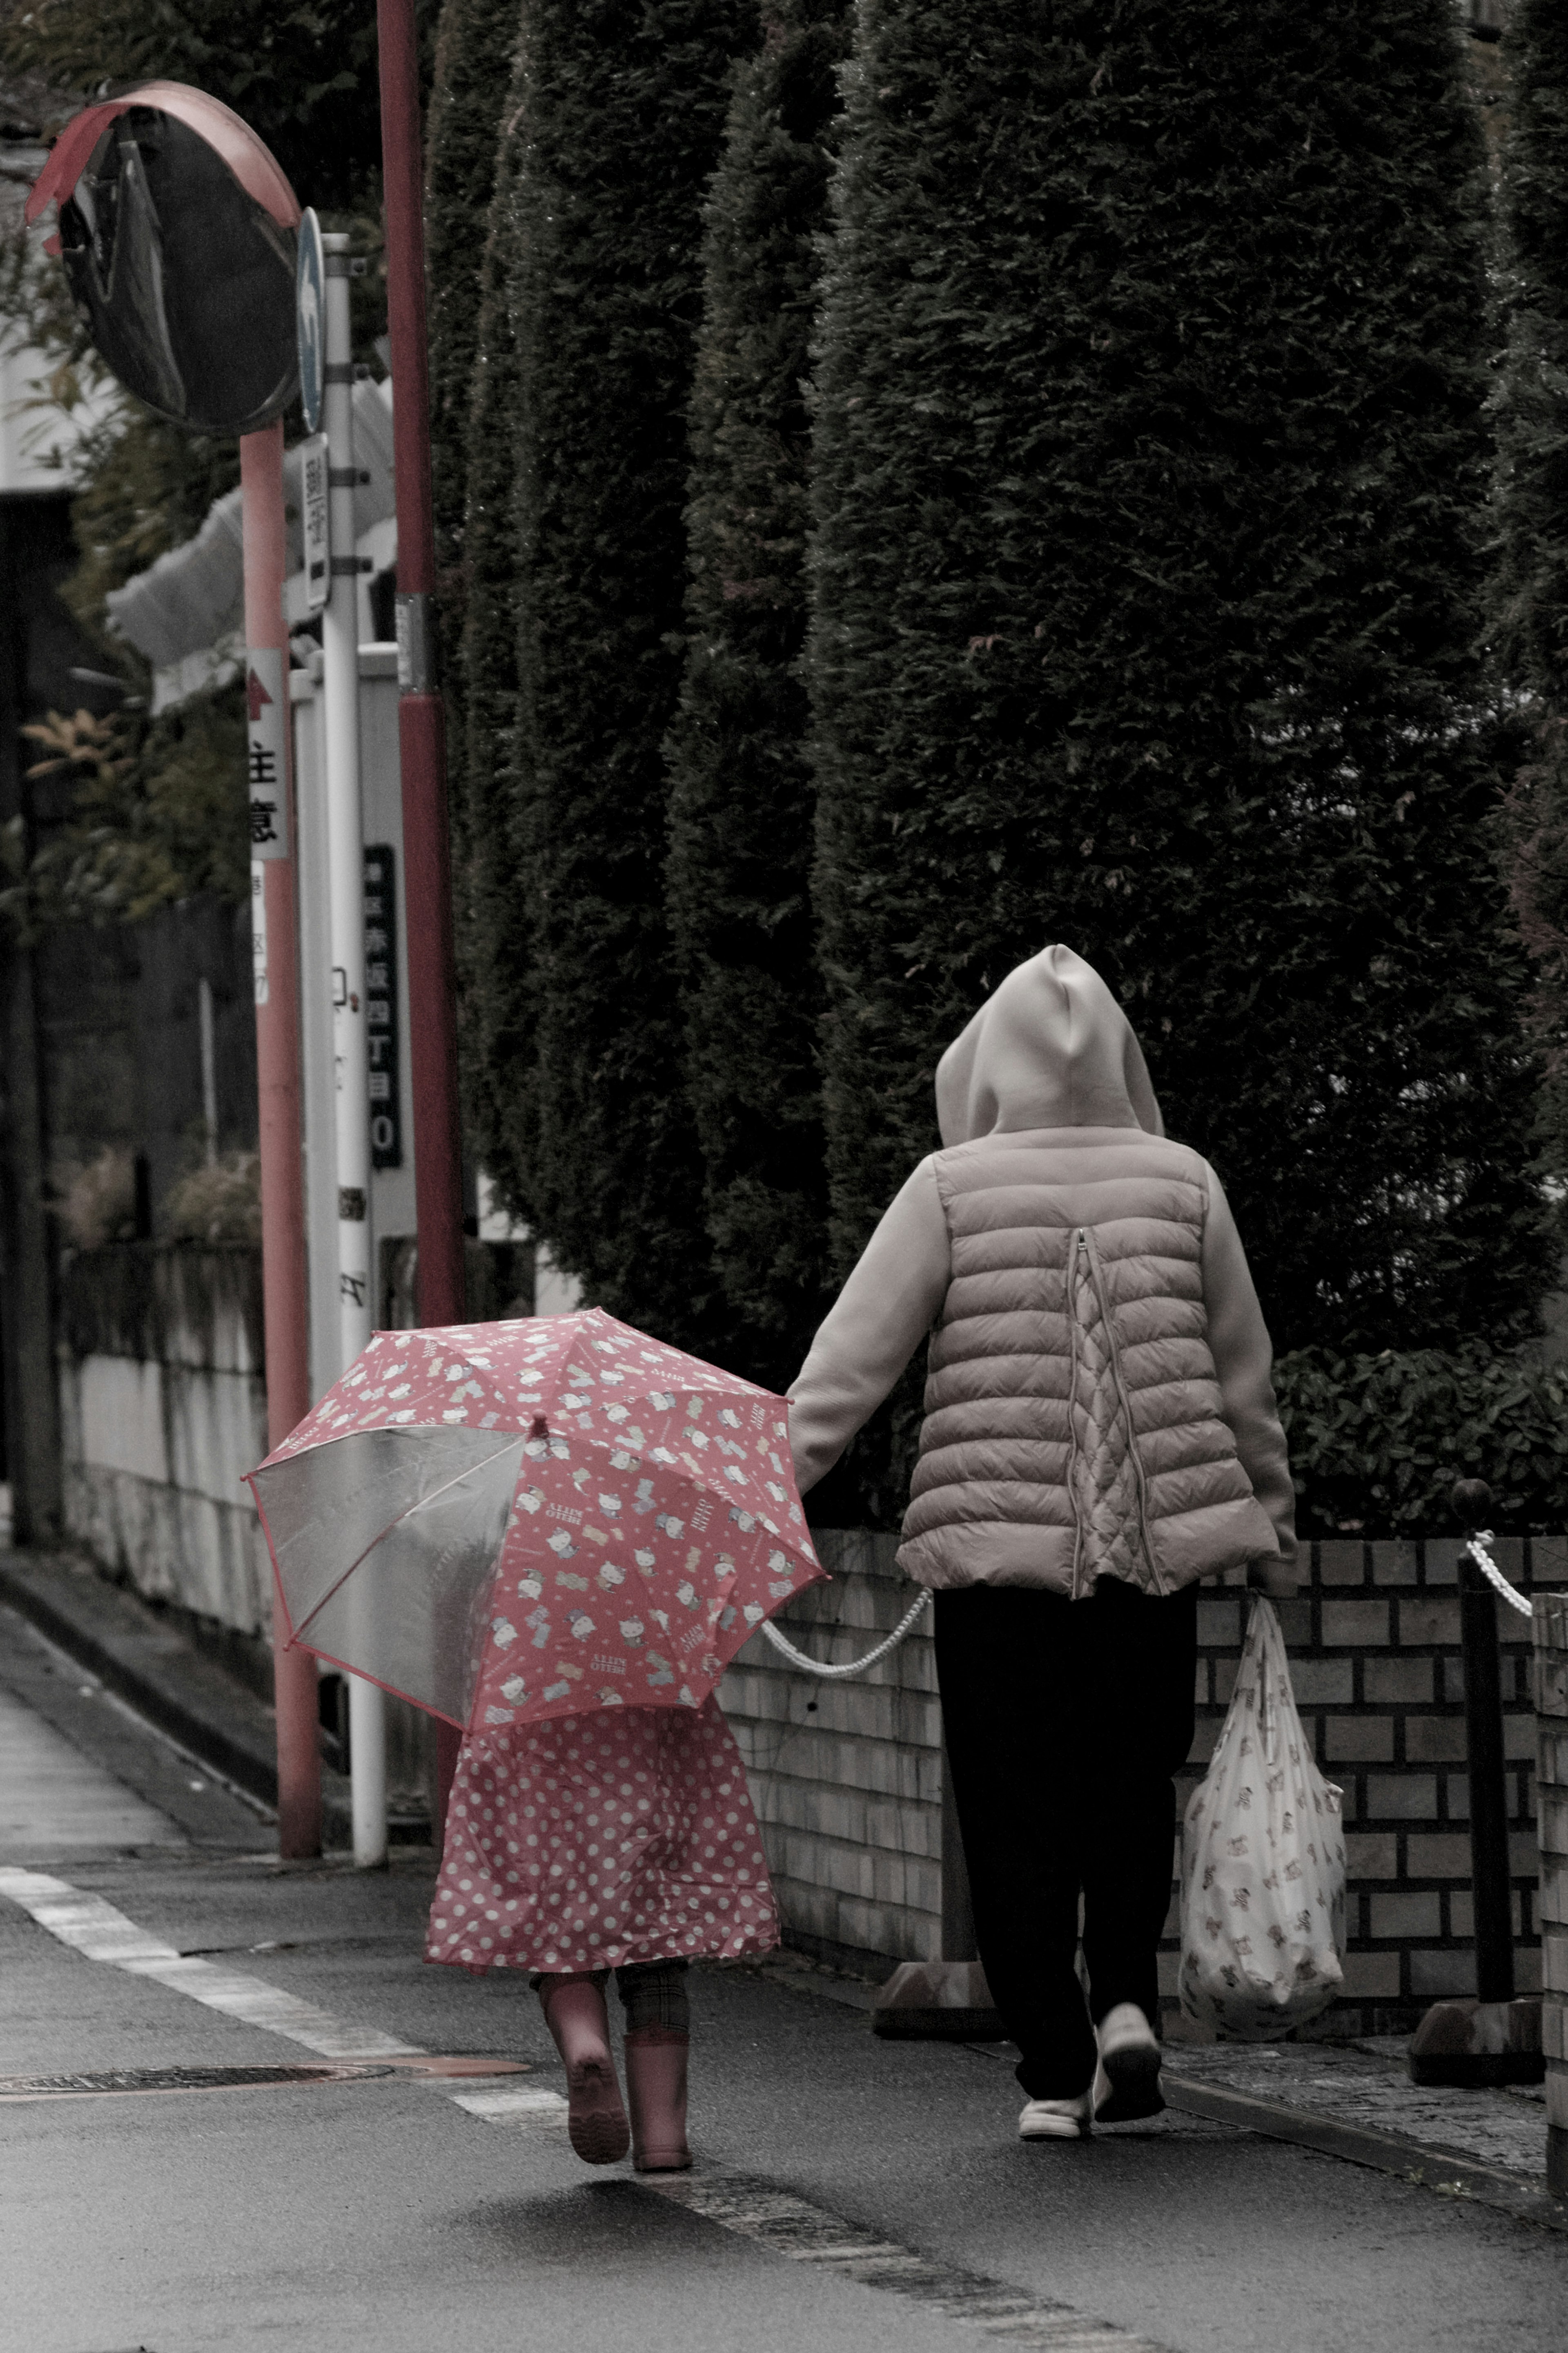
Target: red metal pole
point(277, 1077)
point(427, 854)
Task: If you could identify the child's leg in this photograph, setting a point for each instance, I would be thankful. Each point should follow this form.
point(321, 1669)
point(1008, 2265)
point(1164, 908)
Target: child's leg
point(573, 2006)
point(658, 2023)
point(653, 1994)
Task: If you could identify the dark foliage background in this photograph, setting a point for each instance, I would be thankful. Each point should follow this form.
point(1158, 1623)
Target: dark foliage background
point(741, 802)
point(169, 821)
point(494, 941)
point(472, 158)
point(474, 56)
point(1145, 607)
point(1376, 1442)
point(1150, 461)
point(620, 118)
point(301, 72)
point(1533, 500)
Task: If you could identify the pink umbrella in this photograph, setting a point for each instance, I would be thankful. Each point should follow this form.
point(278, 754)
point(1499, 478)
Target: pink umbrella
point(506, 1522)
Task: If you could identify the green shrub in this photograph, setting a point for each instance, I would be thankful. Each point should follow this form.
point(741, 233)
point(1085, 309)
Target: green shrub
point(302, 74)
point(1150, 464)
point(1376, 1442)
point(139, 814)
point(741, 796)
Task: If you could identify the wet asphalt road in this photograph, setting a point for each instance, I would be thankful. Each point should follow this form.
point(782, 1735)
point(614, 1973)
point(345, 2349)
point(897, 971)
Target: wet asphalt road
point(852, 2194)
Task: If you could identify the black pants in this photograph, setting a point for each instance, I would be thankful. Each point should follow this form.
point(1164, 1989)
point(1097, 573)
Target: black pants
point(1065, 1722)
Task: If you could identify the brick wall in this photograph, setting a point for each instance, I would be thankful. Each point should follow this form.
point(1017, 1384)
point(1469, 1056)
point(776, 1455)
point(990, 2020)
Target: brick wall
point(1379, 1681)
point(847, 1776)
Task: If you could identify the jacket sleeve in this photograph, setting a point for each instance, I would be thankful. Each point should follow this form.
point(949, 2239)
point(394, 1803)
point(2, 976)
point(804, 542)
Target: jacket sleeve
point(874, 1327)
point(1243, 1359)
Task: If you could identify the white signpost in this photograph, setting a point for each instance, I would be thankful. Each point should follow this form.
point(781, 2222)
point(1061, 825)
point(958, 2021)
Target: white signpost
point(266, 722)
point(316, 521)
point(324, 315)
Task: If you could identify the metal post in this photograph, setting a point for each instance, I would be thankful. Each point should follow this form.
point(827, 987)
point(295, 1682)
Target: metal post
point(1489, 1786)
point(1493, 2039)
point(427, 857)
point(345, 864)
point(278, 1078)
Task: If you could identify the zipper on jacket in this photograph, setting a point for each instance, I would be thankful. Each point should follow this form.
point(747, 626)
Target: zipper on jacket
point(1084, 1235)
point(1075, 1589)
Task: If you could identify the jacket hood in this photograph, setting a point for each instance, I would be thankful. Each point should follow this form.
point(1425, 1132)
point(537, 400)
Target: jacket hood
point(1049, 1048)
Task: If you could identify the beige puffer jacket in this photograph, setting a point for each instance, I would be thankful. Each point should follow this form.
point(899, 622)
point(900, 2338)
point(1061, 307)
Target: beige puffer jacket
point(1097, 1400)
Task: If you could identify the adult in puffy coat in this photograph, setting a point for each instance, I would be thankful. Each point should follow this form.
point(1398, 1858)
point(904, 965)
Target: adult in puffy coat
point(1099, 1434)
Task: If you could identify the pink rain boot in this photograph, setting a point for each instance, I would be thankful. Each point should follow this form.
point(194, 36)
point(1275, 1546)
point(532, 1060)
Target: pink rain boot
point(656, 2086)
point(575, 2013)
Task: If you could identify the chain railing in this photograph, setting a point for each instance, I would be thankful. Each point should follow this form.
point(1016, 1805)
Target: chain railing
point(847, 1667)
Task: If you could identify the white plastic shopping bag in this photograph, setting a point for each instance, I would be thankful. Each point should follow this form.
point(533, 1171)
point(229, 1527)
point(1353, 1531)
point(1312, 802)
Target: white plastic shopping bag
point(1262, 1862)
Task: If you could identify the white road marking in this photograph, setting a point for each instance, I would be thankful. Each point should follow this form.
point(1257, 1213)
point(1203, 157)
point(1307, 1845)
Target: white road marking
point(752, 2209)
point(502, 2104)
point(95, 1930)
point(804, 2232)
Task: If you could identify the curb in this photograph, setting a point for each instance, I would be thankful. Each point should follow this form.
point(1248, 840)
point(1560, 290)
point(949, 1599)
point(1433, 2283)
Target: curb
point(1526, 2200)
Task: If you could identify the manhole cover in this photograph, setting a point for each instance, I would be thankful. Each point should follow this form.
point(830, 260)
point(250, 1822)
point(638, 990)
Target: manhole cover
point(112, 2080)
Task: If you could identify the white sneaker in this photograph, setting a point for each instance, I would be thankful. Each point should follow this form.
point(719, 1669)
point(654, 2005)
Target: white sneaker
point(1056, 2119)
point(1127, 2080)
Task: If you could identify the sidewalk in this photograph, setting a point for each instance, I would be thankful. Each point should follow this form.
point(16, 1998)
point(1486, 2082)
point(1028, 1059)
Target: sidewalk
point(152, 1664)
point(1355, 2102)
point(1352, 2100)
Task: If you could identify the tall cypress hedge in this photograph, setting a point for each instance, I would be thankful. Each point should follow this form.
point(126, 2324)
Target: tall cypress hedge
point(494, 939)
point(621, 108)
point(1147, 576)
point(475, 42)
point(741, 793)
point(1535, 524)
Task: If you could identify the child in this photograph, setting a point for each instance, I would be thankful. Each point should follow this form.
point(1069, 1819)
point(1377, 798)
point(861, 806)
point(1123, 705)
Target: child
point(1099, 1434)
point(623, 1839)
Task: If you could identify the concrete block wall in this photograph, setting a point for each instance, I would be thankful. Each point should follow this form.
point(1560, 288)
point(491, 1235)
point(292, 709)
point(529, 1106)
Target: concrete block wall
point(164, 1408)
point(847, 1776)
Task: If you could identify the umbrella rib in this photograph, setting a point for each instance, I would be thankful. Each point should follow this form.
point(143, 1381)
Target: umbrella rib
point(446, 1487)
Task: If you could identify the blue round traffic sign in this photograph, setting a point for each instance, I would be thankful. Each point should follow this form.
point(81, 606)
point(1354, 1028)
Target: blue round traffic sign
point(310, 283)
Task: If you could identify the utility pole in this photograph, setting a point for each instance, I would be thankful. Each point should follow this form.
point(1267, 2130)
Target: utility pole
point(426, 853)
point(345, 859)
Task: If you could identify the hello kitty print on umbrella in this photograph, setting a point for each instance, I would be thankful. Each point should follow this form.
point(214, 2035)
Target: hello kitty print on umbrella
point(507, 1523)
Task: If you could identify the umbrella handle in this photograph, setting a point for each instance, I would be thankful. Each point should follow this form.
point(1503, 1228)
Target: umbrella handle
point(847, 1666)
